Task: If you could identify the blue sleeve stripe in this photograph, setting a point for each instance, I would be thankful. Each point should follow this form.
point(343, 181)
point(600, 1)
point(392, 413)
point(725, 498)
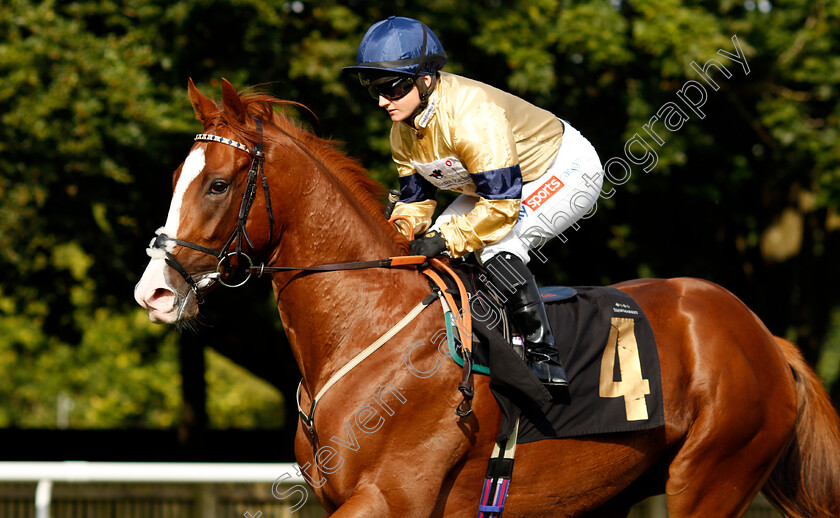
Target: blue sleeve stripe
point(499, 184)
point(415, 188)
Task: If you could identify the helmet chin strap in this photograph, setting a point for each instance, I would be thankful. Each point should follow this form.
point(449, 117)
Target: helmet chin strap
point(425, 92)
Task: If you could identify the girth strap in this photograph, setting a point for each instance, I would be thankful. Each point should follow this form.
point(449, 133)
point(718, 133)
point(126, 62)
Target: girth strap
point(498, 476)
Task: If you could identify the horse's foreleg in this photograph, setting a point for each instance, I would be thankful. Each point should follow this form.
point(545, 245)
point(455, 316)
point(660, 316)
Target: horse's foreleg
point(371, 501)
point(366, 501)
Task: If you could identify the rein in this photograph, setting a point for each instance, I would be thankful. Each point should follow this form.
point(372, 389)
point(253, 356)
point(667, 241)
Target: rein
point(464, 326)
point(166, 244)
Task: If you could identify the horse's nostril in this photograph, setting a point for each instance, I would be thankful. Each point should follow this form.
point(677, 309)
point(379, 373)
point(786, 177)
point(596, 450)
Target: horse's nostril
point(161, 293)
point(161, 299)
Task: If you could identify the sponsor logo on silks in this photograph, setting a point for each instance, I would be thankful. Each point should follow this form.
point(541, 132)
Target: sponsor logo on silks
point(542, 194)
point(573, 168)
point(522, 213)
point(445, 173)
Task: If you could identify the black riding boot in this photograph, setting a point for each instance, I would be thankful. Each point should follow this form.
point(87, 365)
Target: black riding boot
point(514, 281)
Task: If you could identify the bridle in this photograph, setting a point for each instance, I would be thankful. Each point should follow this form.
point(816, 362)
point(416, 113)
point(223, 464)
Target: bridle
point(166, 244)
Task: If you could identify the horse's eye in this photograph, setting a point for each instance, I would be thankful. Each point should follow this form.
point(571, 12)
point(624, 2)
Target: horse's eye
point(218, 187)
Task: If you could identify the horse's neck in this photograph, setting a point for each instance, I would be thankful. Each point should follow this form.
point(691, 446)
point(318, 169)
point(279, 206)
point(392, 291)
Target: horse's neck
point(330, 317)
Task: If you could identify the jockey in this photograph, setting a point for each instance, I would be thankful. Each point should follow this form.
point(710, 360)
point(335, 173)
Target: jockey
point(494, 148)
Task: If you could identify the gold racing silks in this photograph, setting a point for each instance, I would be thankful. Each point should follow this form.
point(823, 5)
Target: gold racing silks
point(477, 140)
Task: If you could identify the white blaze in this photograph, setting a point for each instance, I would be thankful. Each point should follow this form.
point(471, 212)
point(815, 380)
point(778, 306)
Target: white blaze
point(193, 166)
point(153, 291)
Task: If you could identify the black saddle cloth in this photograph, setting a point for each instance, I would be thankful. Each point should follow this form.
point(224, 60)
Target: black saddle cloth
point(606, 346)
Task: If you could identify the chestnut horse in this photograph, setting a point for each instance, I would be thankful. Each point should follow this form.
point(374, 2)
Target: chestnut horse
point(743, 412)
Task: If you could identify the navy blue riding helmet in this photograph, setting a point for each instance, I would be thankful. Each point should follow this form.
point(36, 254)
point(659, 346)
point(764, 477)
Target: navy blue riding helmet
point(402, 46)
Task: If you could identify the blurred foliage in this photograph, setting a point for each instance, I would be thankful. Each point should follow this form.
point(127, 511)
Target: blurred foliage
point(94, 117)
point(123, 372)
point(237, 399)
point(828, 366)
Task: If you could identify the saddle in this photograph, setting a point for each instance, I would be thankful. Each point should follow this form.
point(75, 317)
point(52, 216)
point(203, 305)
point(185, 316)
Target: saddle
point(605, 343)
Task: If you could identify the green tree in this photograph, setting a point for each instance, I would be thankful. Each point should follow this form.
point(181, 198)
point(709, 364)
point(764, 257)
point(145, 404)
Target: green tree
point(95, 117)
point(89, 135)
point(79, 111)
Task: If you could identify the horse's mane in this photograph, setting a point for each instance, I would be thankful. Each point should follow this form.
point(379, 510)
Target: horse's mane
point(346, 170)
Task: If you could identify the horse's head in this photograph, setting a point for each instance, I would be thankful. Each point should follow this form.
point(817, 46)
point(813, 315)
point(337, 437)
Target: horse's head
point(208, 232)
point(251, 178)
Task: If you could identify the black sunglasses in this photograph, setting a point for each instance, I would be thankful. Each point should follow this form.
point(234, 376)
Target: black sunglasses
point(394, 89)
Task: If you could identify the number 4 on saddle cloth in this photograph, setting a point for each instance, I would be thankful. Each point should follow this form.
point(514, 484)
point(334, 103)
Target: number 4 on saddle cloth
point(606, 346)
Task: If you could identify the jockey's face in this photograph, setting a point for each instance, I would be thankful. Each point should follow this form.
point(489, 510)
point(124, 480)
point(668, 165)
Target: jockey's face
point(402, 108)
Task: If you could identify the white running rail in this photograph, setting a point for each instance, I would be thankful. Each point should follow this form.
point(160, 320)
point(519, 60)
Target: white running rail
point(45, 473)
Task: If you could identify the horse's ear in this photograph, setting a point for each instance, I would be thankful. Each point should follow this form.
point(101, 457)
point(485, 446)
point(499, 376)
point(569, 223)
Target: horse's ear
point(231, 102)
point(203, 106)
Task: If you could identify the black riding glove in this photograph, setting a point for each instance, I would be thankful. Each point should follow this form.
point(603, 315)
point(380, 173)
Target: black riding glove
point(429, 244)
